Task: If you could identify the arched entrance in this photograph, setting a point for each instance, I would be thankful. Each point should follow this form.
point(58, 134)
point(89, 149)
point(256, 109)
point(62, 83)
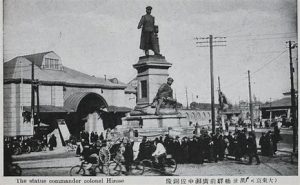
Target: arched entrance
point(86, 115)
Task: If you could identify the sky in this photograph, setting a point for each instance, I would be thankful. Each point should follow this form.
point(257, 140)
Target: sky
point(100, 37)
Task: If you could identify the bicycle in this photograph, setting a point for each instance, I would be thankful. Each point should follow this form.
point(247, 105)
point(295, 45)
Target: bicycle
point(80, 170)
point(115, 168)
point(169, 165)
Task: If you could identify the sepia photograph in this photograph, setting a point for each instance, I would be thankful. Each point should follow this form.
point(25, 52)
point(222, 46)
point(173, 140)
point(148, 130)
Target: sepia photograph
point(170, 89)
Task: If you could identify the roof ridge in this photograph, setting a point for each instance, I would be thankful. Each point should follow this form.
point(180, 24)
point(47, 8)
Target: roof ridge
point(44, 53)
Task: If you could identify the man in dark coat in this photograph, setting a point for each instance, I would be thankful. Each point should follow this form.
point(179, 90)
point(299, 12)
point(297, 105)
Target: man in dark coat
point(142, 149)
point(207, 146)
point(218, 147)
point(200, 148)
point(262, 143)
point(252, 148)
point(242, 140)
point(185, 150)
point(170, 148)
point(52, 142)
point(222, 148)
point(178, 150)
point(268, 144)
point(149, 39)
point(193, 150)
point(128, 155)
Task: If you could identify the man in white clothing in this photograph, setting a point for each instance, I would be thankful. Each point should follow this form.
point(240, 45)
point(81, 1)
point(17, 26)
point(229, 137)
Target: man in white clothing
point(159, 154)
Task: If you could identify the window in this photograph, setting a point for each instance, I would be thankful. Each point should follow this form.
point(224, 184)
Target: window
point(51, 63)
point(144, 88)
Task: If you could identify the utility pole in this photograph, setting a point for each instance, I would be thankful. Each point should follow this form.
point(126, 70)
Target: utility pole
point(32, 94)
point(270, 110)
point(187, 99)
point(211, 40)
point(21, 87)
point(293, 98)
point(37, 105)
point(212, 92)
point(250, 100)
point(219, 84)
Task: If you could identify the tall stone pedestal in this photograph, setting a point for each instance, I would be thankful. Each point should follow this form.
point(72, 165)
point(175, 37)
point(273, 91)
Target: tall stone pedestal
point(152, 73)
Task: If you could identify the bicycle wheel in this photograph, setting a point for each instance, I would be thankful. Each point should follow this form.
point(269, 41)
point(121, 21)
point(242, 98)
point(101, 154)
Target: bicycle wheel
point(15, 170)
point(77, 171)
point(148, 165)
point(114, 168)
point(137, 168)
point(170, 165)
point(27, 149)
point(17, 151)
point(36, 148)
point(44, 148)
point(102, 169)
point(105, 169)
point(104, 155)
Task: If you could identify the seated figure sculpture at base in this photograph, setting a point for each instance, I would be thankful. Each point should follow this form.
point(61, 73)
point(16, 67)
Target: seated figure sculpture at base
point(164, 97)
point(162, 104)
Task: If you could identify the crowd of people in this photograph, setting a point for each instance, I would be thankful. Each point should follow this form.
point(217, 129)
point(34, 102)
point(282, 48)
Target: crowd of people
point(239, 145)
point(214, 147)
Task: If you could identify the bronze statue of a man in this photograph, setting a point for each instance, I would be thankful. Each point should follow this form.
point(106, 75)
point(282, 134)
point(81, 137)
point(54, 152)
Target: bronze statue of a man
point(149, 39)
point(164, 95)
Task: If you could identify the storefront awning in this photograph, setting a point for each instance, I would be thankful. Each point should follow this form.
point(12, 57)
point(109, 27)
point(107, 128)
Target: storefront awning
point(48, 109)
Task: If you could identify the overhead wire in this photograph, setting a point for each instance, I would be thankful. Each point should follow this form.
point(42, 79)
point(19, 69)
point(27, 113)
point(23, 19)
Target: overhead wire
point(259, 69)
point(269, 62)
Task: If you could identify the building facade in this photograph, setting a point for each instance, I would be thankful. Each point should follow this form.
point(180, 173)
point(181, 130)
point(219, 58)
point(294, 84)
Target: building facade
point(61, 93)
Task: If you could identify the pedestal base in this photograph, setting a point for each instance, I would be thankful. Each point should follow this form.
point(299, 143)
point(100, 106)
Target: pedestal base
point(154, 121)
point(154, 126)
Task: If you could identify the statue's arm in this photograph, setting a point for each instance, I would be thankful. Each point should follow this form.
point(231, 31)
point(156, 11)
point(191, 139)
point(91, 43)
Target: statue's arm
point(161, 89)
point(141, 22)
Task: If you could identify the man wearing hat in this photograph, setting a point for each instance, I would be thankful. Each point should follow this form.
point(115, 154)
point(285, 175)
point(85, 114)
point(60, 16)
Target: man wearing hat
point(148, 36)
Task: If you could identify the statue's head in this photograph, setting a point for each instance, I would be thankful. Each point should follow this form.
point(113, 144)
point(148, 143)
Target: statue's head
point(170, 81)
point(148, 9)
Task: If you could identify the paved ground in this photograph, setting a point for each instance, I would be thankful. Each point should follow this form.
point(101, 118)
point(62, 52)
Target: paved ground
point(59, 162)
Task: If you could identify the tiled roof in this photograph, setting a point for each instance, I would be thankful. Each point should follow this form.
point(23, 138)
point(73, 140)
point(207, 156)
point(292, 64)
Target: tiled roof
point(20, 67)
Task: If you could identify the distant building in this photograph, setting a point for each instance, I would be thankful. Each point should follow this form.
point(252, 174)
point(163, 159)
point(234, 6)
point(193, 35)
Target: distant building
point(244, 107)
point(199, 113)
point(64, 93)
point(278, 108)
